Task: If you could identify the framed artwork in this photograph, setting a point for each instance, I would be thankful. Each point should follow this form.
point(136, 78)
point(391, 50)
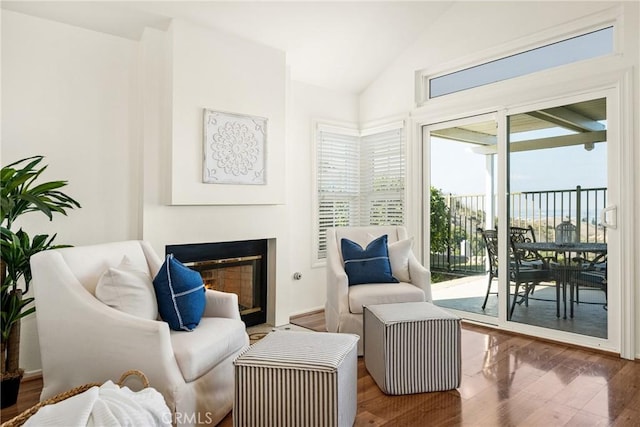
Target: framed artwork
point(234, 148)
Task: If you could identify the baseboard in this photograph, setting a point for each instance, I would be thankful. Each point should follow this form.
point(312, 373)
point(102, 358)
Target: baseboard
point(307, 313)
point(32, 375)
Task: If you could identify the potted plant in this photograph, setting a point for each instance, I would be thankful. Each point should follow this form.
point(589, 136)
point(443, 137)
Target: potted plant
point(22, 193)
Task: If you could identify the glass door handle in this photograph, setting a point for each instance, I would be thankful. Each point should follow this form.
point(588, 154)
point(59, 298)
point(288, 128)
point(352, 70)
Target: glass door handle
point(609, 217)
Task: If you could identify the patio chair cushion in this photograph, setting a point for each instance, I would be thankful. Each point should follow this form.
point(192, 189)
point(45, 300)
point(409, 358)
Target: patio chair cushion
point(368, 265)
point(537, 263)
point(129, 289)
point(180, 294)
point(382, 293)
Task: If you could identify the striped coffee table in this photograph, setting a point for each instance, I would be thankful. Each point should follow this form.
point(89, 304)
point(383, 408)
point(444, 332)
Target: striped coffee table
point(295, 379)
point(412, 347)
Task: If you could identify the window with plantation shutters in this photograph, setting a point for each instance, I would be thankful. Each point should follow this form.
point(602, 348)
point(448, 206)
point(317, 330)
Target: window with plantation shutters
point(382, 178)
point(338, 178)
point(360, 179)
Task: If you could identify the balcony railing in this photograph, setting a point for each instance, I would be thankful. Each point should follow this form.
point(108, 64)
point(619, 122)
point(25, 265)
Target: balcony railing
point(543, 210)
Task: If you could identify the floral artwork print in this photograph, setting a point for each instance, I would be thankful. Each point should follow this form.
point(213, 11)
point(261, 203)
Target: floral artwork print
point(233, 148)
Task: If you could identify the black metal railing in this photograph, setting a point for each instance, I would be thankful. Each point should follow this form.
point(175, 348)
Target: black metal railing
point(543, 210)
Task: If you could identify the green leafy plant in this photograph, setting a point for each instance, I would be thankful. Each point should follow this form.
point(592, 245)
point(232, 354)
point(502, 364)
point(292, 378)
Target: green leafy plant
point(21, 193)
point(439, 222)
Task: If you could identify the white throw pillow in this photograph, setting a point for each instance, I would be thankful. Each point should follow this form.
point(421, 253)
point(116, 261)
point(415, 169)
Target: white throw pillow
point(129, 289)
point(398, 257)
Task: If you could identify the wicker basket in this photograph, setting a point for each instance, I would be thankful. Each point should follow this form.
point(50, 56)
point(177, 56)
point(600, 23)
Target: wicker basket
point(24, 416)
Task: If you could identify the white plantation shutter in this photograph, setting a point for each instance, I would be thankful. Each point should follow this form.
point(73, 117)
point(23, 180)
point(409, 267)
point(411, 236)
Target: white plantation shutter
point(337, 181)
point(360, 179)
point(382, 179)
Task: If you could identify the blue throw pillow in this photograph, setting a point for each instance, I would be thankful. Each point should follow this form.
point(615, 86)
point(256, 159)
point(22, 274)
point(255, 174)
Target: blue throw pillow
point(180, 294)
point(370, 265)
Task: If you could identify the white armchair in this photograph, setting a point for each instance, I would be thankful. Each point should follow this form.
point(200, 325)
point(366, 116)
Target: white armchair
point(83, 340)
point(343, 309)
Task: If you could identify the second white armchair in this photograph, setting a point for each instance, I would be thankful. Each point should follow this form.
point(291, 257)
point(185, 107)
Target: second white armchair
point(343, 308)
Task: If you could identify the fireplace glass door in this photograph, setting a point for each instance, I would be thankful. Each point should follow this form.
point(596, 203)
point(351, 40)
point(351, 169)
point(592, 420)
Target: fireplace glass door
point(238, 267)
point(235, 275)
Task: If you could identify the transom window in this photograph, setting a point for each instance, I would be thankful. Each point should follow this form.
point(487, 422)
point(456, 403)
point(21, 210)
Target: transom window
point(574, 49)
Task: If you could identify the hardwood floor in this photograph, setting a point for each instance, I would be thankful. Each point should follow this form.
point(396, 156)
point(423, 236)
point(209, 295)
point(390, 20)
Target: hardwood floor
point(28, 396)
point(508, 380)
point(312, 320)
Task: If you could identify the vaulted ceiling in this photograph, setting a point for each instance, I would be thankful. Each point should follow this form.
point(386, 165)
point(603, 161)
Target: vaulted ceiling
point(338, 45)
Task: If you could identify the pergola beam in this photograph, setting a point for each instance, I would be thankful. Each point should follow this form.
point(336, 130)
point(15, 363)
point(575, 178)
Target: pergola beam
point(568, 119)
point(551, 142)
point(464, 135)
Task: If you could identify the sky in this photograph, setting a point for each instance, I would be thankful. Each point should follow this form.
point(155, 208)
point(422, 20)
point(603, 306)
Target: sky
point(456, 169)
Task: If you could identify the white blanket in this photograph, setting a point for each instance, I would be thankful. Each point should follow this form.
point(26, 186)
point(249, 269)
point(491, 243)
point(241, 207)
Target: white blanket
point(107, 405)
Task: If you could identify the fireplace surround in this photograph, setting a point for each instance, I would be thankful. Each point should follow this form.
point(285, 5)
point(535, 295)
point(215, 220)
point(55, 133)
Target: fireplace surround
point(239, 267)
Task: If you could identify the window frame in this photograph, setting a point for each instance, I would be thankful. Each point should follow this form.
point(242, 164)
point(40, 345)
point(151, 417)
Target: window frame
point(349, 129)
point(346, 130)
point(598, 21)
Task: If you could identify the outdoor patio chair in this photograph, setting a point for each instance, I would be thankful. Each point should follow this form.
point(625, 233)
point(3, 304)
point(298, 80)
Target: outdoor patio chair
point(528, 258)
point(522, 235)
point(519, 273)
point(490, 238)
point(592, 276)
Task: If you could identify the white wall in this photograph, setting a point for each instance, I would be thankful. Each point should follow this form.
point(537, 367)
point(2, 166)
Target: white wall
point(68, 94)
point(306, 104)
point(211, 69)
point(183, 71)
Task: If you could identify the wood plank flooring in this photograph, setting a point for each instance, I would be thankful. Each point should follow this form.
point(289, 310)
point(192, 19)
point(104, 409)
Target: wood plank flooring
point(28, 396)
point(508, 380)
point(313, 320)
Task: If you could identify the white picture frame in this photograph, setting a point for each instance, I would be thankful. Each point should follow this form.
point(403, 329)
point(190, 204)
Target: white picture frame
point(234, 148)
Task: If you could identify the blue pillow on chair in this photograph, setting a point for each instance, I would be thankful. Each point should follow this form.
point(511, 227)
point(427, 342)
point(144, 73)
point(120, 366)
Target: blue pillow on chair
point(370, 265)
point(180, 294)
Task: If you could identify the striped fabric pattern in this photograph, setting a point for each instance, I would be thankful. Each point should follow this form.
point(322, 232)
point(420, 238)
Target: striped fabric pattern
point(291, 379)
point(299, 350)
point(420, 355)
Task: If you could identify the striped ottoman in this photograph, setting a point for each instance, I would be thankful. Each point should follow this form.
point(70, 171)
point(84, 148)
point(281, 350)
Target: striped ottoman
point(412, 347)
point(297, 379)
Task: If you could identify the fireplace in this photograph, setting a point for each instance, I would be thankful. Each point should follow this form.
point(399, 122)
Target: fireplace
point(237, 267)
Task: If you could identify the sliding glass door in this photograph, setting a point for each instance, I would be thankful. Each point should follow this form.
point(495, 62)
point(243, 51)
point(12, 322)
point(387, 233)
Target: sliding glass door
point(558, 190)
point(462, 203)
point(520, 218)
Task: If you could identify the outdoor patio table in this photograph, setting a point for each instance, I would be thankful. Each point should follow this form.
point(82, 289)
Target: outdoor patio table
point(565, 269)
